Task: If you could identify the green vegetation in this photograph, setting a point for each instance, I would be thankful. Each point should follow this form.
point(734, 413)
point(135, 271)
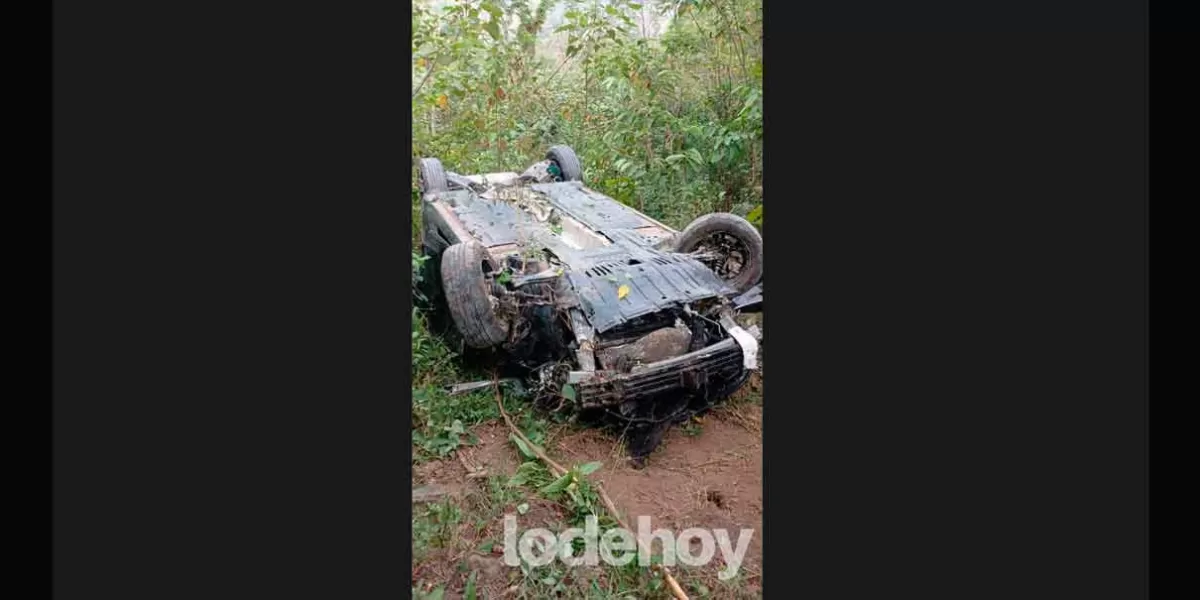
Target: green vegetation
point(670, 124)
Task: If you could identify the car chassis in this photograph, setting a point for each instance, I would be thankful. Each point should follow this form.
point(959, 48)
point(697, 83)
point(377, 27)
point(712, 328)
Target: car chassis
point(612, 314)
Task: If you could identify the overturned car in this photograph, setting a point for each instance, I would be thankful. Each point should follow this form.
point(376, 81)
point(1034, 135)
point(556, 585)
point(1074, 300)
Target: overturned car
point(609, 313)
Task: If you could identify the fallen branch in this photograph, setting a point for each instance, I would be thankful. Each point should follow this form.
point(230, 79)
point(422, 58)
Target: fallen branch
point(612, 509)
point(560, 471)
point(459, 388)
point(537, 450)
point(730, 456)
point(428, 72)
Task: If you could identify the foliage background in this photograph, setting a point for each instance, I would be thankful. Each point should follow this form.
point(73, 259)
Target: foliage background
point(662, 100)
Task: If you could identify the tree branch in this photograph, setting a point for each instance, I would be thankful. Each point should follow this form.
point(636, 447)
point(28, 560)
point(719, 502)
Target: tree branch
point(425, 78)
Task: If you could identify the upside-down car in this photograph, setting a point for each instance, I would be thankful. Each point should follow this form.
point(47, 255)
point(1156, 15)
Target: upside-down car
point(610, 312)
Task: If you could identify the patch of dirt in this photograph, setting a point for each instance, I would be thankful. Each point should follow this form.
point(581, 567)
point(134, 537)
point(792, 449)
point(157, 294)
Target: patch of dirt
point(753, 388)
point(463, 474)
point(712, 479)
point(706, 475)
point(437, 567)
point(492, 579)
point(445, 474)
point(493, 455)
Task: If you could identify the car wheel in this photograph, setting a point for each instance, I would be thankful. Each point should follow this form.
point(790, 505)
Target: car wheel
point(466, 289)
point(727, 244)
point(431, 177)
point(567, 162)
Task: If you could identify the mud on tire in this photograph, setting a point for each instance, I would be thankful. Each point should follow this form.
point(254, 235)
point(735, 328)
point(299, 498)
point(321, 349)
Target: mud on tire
point(466, 290)
point(737, 244)
point(431, 177)
point(567, 162)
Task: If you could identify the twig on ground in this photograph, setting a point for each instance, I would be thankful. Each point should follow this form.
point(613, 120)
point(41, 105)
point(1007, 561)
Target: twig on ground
point(473, 471)
point(715, 461)
point(537, 450)
point(620, 440)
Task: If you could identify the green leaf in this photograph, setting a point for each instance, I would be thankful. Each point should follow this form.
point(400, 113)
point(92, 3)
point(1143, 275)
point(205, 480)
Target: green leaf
point(756, 215)
point(469, 592)
point(492, 10)
point(523, 474)
point(559, 484)
point(589, 468)
point(522, 446)
point(493, 29)
point(568, 392)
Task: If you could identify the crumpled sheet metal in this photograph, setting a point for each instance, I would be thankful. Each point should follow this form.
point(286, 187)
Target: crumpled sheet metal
point(657, 345)
point(745, 339)
point(493, 223)
point(657, 282)
point(599, 212)
point(538, 173)
point(751, 298)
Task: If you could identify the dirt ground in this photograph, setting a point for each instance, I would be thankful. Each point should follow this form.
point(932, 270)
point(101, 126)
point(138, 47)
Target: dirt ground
point(710, 479)
point(705, 474)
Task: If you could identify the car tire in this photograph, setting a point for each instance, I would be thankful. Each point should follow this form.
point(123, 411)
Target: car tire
point(431, 177)
point(567, 162)
point(734, 238)
point(466, 289)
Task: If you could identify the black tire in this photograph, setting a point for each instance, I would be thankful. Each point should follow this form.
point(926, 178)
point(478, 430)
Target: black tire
point(466, 290)
point(567, 162)
point(431, 177)
point(735, 239)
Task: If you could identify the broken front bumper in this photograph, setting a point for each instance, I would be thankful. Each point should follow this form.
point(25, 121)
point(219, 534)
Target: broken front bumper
point(717, 370)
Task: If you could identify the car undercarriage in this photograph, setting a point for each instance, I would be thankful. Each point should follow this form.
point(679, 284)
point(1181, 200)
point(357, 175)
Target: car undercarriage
point(607, 313)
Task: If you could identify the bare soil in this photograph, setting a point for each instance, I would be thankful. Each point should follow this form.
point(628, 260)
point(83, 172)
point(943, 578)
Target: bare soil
point(710, 479)
point(706, 474)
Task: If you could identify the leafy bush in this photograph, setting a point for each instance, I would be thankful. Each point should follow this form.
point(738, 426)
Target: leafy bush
point(670, 124)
